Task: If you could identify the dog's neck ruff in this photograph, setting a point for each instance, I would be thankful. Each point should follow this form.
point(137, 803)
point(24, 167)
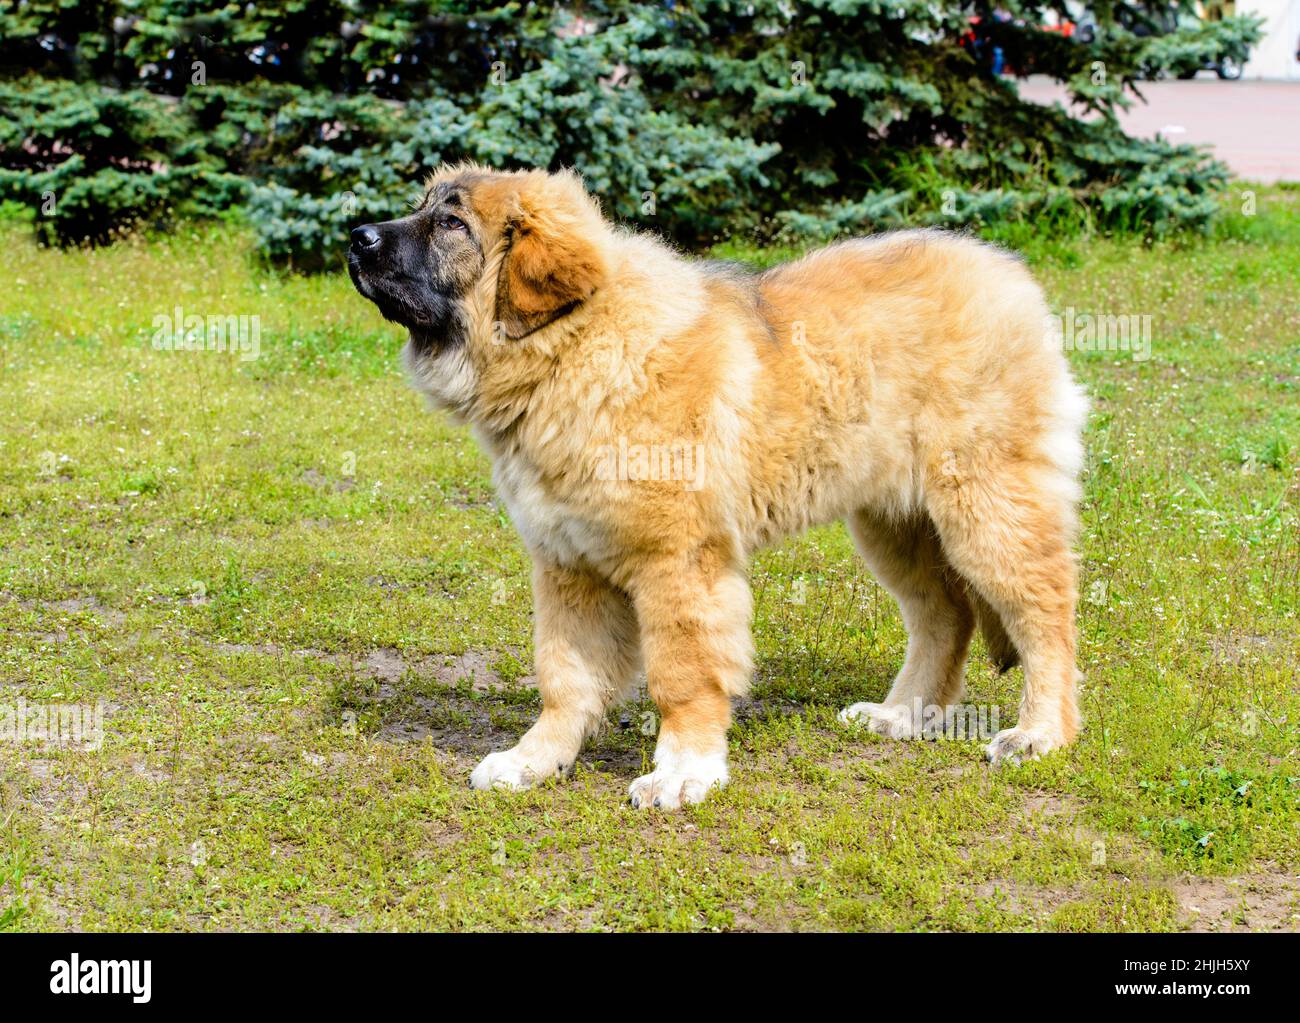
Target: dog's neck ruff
point(486, 378)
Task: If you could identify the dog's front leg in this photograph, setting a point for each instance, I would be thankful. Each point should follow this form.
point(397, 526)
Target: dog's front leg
point(586, 653)
point(694, 614)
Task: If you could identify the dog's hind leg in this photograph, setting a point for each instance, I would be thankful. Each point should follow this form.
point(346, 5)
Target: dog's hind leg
point(905, 556)
point(1008, 531)
point(587, 656)
point(1002, 652)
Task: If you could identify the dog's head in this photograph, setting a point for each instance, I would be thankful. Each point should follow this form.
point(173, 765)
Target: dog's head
point(486, 252)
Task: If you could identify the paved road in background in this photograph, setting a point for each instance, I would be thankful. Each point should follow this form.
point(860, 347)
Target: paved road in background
point(1254, 127)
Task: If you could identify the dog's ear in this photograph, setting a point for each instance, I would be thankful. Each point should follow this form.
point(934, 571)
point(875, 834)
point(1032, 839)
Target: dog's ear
point(556, 256)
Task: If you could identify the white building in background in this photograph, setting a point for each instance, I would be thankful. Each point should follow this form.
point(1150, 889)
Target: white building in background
point(1274, 56)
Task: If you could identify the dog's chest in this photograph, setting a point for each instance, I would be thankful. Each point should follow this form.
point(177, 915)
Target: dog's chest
point(548, 523)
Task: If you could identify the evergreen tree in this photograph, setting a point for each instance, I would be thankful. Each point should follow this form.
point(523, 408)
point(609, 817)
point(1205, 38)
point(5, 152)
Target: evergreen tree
point(801, 118)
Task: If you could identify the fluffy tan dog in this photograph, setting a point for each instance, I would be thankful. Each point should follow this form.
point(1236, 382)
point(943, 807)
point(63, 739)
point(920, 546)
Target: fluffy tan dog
point(654, 420)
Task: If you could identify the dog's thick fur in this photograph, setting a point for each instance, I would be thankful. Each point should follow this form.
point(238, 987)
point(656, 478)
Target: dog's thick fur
point(906, 383)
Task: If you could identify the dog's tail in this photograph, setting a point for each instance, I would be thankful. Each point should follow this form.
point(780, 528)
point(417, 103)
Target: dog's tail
point(1002, 651)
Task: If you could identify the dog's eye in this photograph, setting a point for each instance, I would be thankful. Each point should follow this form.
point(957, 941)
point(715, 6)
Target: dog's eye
point(450, 223)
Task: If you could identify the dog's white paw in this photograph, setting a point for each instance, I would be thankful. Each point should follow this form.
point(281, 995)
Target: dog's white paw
point(893, 722)
point(679, 780)
point(510, 769)
point(1012, 745)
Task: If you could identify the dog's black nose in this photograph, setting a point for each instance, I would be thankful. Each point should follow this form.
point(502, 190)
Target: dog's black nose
point(365, 239)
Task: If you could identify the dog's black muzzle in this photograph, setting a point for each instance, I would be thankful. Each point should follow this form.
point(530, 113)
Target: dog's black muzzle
point(389, 264)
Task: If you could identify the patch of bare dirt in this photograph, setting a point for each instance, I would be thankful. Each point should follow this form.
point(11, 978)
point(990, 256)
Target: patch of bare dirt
point(466, 727)
point(1237, 648)
point(473, 666)
point(1266, 901)
point(269, 649)
point(49, 790)
point(71, 605)
point(390, 665)
point(1015, 897)
point(317, 479)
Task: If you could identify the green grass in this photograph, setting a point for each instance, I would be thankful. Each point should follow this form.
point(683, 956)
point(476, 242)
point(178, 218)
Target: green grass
point(307, 618)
